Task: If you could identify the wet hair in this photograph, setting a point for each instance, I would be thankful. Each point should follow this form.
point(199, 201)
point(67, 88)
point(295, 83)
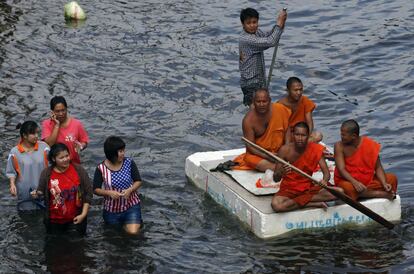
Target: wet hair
point(292, 80)
point(54, 151)
point(248, 13)
point(111, 147)
point(351, 126)
point(57, 100)
point(28, 127)
point(301, 125)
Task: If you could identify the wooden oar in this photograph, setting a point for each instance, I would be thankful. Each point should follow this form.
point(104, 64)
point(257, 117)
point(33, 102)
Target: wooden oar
point(357, 205)
point(269, 77)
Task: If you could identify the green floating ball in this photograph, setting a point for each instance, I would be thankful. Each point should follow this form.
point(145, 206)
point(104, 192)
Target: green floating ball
point(74, 12)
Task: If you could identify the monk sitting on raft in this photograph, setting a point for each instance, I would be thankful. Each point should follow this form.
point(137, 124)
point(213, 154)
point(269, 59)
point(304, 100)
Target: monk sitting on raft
point(301, 107)
point(266, 125)
point(358, 166)
point(297, 191)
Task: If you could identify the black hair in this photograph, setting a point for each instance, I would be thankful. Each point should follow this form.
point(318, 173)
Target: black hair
point(292, 80)
point(111, 147)
point(57, 100)
point(351, 126)
point(54, 151)
point(248, 13)
point(28, 127)
point(301, 125)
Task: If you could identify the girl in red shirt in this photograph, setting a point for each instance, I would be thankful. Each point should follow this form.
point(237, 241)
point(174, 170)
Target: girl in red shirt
point(67, 192)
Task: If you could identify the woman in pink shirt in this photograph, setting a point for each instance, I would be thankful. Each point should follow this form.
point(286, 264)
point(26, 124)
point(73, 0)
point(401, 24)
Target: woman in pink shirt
point(62, 128)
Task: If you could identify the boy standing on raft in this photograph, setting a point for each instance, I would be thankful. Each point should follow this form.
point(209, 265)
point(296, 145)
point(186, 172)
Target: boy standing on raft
point(252, 43)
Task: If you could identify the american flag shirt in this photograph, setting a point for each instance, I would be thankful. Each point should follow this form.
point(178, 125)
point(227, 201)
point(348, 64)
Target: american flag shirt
point(251, 61)
point(118, 180)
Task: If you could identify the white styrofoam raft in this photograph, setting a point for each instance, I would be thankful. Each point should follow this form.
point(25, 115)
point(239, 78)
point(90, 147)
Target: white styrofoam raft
point(256, 211)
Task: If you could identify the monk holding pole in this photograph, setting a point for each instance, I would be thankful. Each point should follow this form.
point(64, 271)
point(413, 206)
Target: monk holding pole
point(339, 194)
point(297, 191)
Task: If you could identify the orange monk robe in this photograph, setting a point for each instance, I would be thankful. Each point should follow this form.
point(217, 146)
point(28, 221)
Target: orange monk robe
point(361, 165)
point(271, 140)
point(297, 187)
point(305, 105)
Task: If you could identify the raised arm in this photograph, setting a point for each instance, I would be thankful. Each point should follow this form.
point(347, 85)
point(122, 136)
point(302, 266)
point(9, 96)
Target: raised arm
point(280, 22)
point(281, 19)
point(50, 131)
point(258, 43)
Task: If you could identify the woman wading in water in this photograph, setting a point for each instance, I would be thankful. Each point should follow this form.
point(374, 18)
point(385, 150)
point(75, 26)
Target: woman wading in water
point(67, 192)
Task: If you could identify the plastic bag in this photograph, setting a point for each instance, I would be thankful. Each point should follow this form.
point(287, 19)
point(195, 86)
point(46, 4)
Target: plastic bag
point(267, 180)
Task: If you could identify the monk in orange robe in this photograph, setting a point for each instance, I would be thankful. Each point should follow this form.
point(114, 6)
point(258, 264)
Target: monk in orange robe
point(265, 124)
point(301, 107)
point(297, 191)
point(358, 167)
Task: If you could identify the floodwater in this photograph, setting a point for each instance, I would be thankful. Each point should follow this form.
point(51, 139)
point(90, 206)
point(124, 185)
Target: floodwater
point(164, 76)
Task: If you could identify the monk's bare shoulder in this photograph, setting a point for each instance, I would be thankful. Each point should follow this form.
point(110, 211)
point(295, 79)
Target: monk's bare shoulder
point(338, 146)
point(249, 121)
point(249, 118)
point(284, 151)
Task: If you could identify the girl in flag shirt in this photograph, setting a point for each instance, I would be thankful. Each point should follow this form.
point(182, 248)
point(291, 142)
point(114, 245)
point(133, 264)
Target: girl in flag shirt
point(120, 179)
point(67, 192)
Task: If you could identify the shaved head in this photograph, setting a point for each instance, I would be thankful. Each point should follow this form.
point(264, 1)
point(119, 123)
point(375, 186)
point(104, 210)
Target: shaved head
point(351, 126)
point(301, 125)
point(291, 81)
point(261, 90)
point(261, 101)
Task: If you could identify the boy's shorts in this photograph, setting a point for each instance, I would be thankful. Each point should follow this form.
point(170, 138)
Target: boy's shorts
point(248, 92)
point(130, 216)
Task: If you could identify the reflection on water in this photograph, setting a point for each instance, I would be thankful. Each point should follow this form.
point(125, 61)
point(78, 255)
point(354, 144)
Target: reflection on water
point(66, 255)
point(164, 76)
